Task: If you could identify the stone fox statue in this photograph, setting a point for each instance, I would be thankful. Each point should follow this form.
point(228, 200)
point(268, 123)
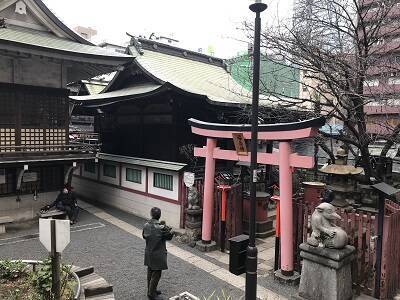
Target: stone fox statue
point(193, 198)
point(324, 231)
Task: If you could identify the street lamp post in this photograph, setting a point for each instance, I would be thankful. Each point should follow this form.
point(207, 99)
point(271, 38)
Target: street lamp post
point(251, 262)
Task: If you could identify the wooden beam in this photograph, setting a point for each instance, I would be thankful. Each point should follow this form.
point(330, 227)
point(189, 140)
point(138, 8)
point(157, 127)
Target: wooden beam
point(296, 161)
point(266, 135)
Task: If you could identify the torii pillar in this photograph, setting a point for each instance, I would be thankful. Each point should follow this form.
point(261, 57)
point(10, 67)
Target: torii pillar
point(284, 133)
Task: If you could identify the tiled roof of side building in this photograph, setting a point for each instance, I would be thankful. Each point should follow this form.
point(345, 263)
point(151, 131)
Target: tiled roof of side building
point(46, 41)
point(194, 73)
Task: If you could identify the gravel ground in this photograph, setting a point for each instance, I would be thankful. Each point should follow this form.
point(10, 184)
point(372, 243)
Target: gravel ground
point(266, 281)
point(117, 256)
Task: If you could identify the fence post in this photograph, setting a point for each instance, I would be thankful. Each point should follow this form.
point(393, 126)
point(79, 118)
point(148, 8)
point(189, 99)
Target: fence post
point(378, 268)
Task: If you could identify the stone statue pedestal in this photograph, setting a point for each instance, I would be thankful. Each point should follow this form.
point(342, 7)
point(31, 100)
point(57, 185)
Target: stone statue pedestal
point(326, 273)
point(193, 218)
point(193, 226)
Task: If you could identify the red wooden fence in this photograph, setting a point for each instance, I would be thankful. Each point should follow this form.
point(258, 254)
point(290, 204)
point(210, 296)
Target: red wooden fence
point(362, 229)
point(390, 279)
point(234, 214)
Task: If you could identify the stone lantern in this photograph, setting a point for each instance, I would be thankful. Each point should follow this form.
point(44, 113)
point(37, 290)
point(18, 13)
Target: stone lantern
point(341, 181)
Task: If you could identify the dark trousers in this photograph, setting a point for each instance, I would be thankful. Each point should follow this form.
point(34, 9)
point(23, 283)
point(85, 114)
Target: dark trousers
point(153, 277)
point(72, 211)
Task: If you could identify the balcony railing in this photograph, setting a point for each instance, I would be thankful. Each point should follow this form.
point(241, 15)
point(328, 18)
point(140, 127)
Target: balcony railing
point(47, 150)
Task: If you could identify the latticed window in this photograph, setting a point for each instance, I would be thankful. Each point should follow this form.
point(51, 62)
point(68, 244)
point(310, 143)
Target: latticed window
point(7, 138)
point(134, 175)
point(110, 170)
point(163, 181)
point(32, 116)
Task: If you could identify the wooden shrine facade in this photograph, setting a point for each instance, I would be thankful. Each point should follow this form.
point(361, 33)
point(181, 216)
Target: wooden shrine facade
point(39, 56)
point(32, 116)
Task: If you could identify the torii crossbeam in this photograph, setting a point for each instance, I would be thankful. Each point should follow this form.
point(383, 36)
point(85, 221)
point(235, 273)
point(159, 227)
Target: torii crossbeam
point(284, 133)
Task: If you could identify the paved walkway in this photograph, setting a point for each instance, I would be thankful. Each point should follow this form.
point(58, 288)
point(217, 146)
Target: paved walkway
point(111, 241)
point(214, 270)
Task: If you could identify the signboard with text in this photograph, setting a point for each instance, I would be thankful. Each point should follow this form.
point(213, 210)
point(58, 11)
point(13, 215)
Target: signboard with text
point(240, 143)
point(188, 179)
point(30, 177)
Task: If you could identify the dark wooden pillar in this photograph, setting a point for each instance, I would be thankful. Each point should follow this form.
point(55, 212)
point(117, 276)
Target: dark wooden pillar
point(175, 132)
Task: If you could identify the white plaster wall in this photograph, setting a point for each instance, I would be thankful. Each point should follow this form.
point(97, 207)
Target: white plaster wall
point(109, 179)
point(136, 204)
point(133, 185)
point(27, 208)
point(162, 192)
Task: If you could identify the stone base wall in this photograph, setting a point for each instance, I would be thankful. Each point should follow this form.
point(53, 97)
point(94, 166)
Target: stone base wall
point(131, 202)
point(27, 208)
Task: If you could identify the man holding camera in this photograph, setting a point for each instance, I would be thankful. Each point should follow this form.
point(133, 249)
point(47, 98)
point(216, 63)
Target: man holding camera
point(156, 234)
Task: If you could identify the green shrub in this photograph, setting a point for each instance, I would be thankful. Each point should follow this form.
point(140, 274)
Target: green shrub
point(42, 281)
point(12, 270)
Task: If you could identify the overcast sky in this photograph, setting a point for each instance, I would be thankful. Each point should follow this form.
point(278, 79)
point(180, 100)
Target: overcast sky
point(195, 23)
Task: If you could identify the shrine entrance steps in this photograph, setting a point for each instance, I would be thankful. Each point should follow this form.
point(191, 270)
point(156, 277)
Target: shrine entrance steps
point(93, 286)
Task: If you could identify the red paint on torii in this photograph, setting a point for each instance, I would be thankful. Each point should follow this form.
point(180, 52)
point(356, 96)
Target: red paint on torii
point(296, 161)
point(284, 133)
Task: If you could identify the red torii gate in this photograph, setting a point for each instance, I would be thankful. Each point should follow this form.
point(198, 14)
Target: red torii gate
point(284, 133)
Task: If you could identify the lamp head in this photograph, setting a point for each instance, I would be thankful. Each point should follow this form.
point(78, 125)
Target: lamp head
point(258, 6)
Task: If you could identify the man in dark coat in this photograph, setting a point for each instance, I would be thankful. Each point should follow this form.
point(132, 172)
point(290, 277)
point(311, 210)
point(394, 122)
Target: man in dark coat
point(156, 234)
point(66, 201)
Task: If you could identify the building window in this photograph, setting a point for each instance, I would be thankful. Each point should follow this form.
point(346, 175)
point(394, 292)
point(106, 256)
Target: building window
point(371, 82)
point(89, 167)
point(110, 170)
point(163, 181)
point(394, 80)
point(134, 175)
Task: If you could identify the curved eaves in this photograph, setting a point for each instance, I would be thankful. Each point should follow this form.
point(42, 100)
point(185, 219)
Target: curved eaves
point(60, 24)
point(95, 103)
point(310, 123)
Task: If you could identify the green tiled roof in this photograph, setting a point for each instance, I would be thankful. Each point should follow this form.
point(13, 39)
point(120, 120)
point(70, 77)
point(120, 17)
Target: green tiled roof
point(196, 77)
point(48, 41)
